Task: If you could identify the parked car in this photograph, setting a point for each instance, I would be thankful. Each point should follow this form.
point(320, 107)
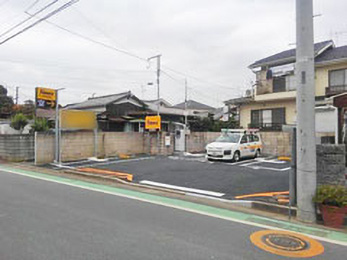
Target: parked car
point(234, 145)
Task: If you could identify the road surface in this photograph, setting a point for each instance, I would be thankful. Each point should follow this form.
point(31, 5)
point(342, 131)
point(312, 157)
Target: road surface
point(45, 220)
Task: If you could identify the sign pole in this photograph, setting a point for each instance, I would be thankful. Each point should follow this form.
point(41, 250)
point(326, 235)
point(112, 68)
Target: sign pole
point(57, 129)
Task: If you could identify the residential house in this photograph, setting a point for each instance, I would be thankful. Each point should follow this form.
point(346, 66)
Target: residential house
point(272, 101)
point(194, 108)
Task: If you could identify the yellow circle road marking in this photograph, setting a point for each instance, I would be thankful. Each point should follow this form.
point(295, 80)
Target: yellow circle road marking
point(286, 243)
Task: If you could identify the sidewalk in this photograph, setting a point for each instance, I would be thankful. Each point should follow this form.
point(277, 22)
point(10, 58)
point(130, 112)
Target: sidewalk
point(218, 209)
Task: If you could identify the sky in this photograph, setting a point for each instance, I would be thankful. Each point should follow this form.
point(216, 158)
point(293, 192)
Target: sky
point(209, 43)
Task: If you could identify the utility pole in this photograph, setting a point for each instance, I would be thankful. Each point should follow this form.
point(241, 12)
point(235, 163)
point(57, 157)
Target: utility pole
point(158, 79)
point(305, 102)
point(185, 103)
point(17, 88)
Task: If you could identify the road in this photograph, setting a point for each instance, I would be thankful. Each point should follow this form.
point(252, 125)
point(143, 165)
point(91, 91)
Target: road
point(40, 219)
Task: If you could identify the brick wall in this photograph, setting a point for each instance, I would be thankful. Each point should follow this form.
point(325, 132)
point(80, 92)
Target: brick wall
point(17, 147)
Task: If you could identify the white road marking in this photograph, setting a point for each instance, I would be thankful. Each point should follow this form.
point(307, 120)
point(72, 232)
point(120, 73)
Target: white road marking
point(241, 162)
point(169, 186)
point(118, 161)
point(269, 168)
point(213, 215)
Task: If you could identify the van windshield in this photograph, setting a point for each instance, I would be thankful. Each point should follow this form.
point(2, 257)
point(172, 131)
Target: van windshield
point(229, 138)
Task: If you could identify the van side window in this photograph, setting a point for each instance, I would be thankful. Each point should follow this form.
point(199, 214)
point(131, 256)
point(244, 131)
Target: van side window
point(251, 138)
point(255, 138)
point(244, 139)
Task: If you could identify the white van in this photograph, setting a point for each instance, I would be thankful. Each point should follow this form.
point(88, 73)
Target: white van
point(234, 144)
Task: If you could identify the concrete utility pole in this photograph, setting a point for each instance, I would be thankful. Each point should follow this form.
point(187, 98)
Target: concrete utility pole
point(158, 79)
point(305, 102)
point(17, 95)
point(185, 103)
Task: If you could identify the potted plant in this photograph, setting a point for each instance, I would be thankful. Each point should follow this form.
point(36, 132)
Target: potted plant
point(332, 202)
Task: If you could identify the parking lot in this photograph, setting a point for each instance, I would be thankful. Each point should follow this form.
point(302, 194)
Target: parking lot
point(197, 176)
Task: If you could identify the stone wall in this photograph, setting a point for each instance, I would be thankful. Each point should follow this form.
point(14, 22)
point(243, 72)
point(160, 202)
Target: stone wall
point(331, 164)
point(17, 147)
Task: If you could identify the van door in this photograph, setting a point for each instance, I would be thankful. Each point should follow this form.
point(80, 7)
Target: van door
point(244, 146)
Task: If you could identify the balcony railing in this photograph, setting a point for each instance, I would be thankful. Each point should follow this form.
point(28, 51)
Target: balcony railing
point(334, 90)
point(266, 126)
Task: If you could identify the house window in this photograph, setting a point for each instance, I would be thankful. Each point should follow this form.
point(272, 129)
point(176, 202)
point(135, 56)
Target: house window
point(337, 78)
point(279, 84)
point(268, 119)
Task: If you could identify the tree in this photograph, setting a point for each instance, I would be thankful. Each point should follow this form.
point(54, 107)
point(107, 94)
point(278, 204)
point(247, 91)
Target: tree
point(6, 103)
point(40, 125)
point(206, 124)
point(19, 121)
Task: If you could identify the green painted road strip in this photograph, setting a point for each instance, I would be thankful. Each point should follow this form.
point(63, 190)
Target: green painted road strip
point(240, 217)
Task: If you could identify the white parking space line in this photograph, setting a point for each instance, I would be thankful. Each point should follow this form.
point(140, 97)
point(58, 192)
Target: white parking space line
point(269, 168)
point(242, 162)
point(163, 185)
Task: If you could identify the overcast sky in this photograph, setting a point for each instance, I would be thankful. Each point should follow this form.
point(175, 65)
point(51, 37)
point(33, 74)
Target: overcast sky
point(210, 41)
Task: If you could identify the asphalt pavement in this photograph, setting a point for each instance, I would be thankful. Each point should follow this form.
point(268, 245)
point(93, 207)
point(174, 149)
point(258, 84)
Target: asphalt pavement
point(230, 179)
point(40, 219)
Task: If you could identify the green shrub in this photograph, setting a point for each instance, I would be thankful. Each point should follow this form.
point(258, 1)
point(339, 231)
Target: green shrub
point(19, 121)
point(333, 195)
point(40, 125)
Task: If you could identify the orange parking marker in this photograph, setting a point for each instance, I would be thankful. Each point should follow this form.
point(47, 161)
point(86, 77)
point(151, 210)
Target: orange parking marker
point(121, 175)
point(263, 194)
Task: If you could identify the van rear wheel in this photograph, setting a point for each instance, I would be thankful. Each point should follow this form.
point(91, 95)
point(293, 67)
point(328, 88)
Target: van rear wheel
point(257, 153)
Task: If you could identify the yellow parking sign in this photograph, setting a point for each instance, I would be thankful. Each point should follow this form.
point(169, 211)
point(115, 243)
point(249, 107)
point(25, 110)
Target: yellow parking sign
point(153, 122)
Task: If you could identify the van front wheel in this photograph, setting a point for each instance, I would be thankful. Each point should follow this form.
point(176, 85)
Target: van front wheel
point(236, 157)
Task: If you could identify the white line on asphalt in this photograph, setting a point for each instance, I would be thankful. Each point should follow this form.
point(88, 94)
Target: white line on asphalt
point(241, 162)
point(269, 168)
point(245, 165)
point(205, 192)
point(246, 222)
point(119, 161)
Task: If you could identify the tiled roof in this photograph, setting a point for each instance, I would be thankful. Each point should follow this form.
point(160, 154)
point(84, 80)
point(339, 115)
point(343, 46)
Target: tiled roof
point(333, 54)
point(288, 55)
point(191, 104)
point(98, 101)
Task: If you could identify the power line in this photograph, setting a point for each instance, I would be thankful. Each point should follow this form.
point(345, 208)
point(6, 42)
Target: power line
point(133, 55)
point(29, 18)
point(45, 64)
point(96, 42)
point(61, 8)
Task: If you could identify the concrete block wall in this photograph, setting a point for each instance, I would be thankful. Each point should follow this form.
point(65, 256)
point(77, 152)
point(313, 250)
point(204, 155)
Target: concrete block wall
point(77, 145)
point(197, 141)
point(331, 164)
point(17, 147)
point(44, 148)
point(153, 148)
point(276, 143)
point(115, 143)
point(80, 145)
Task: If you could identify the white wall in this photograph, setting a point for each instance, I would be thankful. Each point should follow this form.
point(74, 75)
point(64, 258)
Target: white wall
point(326, 120)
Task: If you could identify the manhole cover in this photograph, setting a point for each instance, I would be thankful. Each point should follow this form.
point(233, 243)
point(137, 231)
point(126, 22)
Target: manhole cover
point(286, 243)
